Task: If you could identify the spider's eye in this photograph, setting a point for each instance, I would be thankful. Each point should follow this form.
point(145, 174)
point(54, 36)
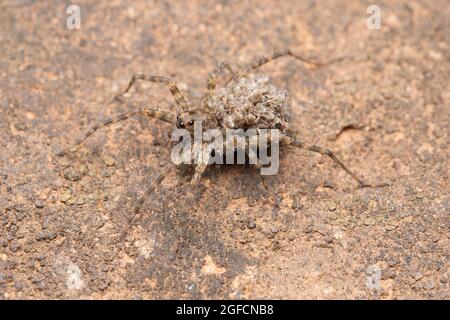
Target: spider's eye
point(191, 122)
point(180, 123)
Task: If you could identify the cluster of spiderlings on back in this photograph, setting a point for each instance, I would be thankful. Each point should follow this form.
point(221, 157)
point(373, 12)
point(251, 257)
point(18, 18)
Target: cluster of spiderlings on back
point(251, 103)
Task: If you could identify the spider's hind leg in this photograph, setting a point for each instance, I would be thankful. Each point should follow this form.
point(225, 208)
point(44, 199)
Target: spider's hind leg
point(324, 151)
point(260, 61)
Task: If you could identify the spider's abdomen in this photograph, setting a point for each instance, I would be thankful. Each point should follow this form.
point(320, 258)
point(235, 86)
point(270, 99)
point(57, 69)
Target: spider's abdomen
point(252, 103)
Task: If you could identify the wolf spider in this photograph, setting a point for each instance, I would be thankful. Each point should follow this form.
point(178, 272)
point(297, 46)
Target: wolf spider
point(245, 102)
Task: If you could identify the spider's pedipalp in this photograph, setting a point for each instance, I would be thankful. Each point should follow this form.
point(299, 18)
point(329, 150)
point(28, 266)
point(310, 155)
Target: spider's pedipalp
point(181, 101)
point(151, 113)
point(327, 152)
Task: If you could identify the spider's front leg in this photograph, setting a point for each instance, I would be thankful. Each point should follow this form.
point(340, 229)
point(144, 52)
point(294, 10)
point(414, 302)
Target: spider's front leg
point(181, 101)
point(202, 155)
point(163, 115)
point(211, 83)
point(151, 188)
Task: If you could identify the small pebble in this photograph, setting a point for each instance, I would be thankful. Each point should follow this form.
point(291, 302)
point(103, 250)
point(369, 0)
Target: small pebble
point(418, 276)
point(81, 200)
point(46, 235)
point(369, 222)
point(328, 239)
point(251, 224)
point(72, 175)
point(436, 237)
point(83, 169)
point(428, 285)
point(296, 205)
point(63, 162)
point(65, 196)
point(18, 285)
point(333, 217)
point(309, 229)
point(105, 196)
point(20, 126)
point(105, 174)
point(109, 161)
point(390, 227)
point(331, 205)
point(39, 203)
point(392, 262)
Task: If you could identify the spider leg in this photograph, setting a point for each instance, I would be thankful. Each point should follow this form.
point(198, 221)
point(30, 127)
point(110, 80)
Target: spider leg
point(153, 185)
point(260, 61)
point(151, 113)
point(324, 151)
point(214, 75)
point(259, 165)
point(211, 82)
point(199, 170)
point(178, 96)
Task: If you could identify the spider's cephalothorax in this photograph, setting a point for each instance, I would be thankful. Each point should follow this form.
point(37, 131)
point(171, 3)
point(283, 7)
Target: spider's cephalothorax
point(246, 102)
